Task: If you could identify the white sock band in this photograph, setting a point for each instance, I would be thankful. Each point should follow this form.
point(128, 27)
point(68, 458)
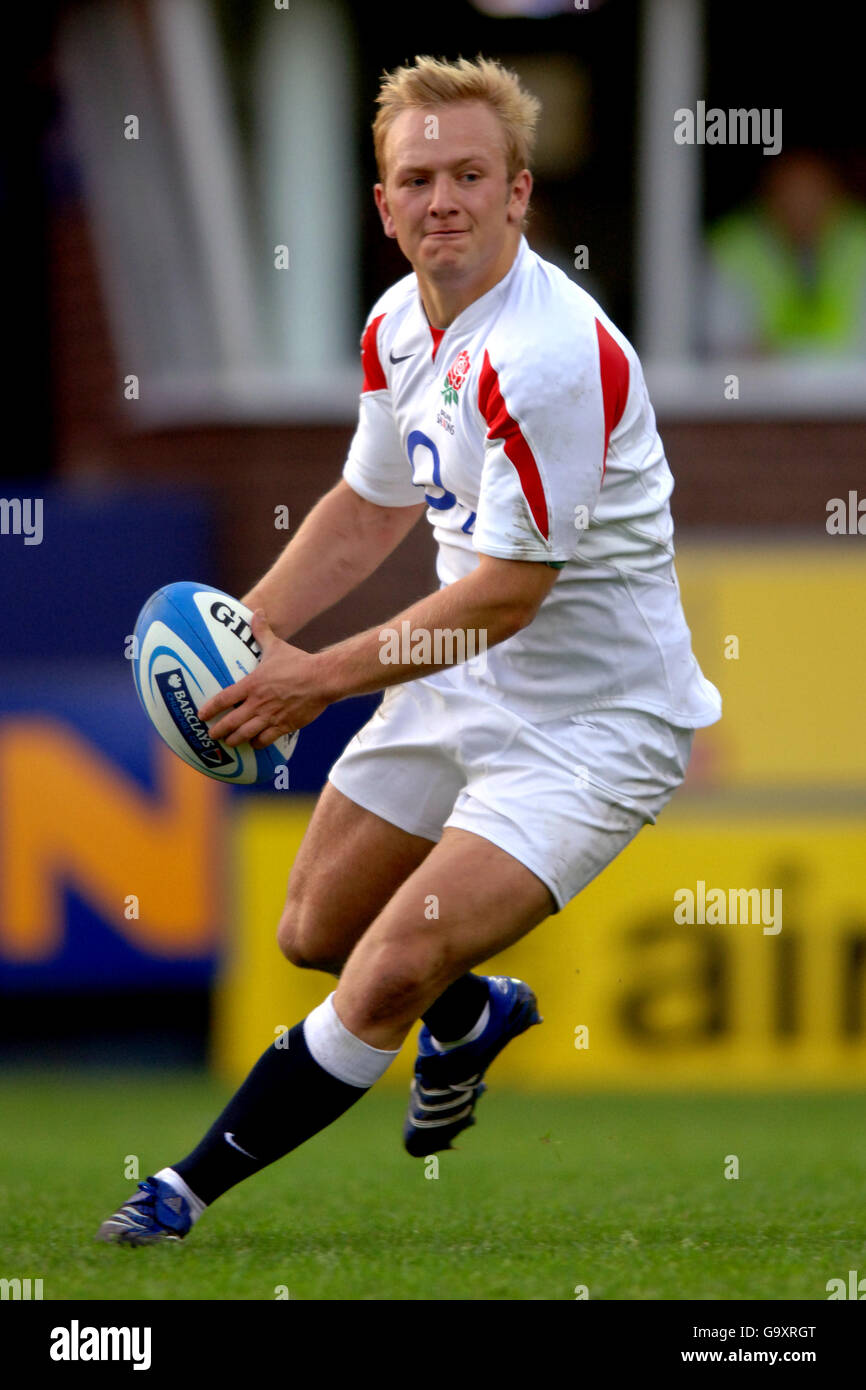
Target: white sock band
point(470, 1036)
point(339, 1052)
point(196, 1205)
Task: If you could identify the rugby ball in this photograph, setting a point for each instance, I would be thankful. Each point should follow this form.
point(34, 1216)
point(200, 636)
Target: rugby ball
point(191, 641)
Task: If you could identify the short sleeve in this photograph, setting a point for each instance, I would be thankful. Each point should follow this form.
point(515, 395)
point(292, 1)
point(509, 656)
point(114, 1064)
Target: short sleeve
point(376, 466)
point(548, 419)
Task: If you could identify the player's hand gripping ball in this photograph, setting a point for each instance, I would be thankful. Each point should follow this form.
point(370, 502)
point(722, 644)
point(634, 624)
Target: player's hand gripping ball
point(191, 642)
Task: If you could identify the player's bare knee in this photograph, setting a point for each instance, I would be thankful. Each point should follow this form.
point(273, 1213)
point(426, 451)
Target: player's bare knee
point(404, 977)
point(299, 945)
point(293, 950)
point(294, 936)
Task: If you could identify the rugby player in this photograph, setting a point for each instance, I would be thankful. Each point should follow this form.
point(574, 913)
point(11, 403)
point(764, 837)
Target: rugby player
point(499, 400)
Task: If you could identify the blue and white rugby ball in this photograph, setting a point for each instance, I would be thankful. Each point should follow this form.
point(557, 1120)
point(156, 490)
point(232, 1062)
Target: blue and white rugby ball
point(192, 641)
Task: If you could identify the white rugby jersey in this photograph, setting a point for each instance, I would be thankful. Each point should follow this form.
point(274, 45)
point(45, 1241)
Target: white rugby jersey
point(527, 427)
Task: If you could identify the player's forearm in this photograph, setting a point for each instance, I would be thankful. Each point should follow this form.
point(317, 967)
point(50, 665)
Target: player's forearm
point(459, 622)
point(338, 545)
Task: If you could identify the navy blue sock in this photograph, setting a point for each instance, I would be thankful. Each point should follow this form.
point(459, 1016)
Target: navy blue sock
point(457, 1010)
point(286, 1099)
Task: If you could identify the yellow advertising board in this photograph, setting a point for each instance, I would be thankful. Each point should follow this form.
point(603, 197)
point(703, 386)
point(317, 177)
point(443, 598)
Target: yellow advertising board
point(764, 987)
point(780, 631)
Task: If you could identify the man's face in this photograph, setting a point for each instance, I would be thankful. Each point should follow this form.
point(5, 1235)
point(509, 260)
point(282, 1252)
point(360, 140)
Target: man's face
point(447, 199)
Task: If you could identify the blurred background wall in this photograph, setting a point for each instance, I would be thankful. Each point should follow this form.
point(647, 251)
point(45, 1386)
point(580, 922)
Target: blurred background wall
point(191, 250)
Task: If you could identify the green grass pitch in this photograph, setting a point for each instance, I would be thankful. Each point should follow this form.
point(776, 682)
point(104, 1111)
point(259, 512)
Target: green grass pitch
point(625, 1195)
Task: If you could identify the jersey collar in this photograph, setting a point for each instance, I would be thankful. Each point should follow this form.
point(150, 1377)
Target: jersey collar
point(476, 312)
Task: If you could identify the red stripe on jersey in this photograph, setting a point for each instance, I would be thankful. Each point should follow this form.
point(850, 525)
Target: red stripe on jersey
point(502, 426)
point(438, 335)
point(614, 384)
point(374, 376)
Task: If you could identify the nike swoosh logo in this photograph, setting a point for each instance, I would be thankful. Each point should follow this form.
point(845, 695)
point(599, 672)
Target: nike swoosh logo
point(230, 1139)
point(395, 360)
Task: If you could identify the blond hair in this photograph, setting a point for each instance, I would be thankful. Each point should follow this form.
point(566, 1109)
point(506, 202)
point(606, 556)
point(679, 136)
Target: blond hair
point(435, 82)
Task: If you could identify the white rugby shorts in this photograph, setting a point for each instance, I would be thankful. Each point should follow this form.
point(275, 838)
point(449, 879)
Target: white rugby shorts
point(562, 796)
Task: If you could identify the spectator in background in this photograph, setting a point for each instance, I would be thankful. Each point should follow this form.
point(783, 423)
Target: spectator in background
point(787, 274)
